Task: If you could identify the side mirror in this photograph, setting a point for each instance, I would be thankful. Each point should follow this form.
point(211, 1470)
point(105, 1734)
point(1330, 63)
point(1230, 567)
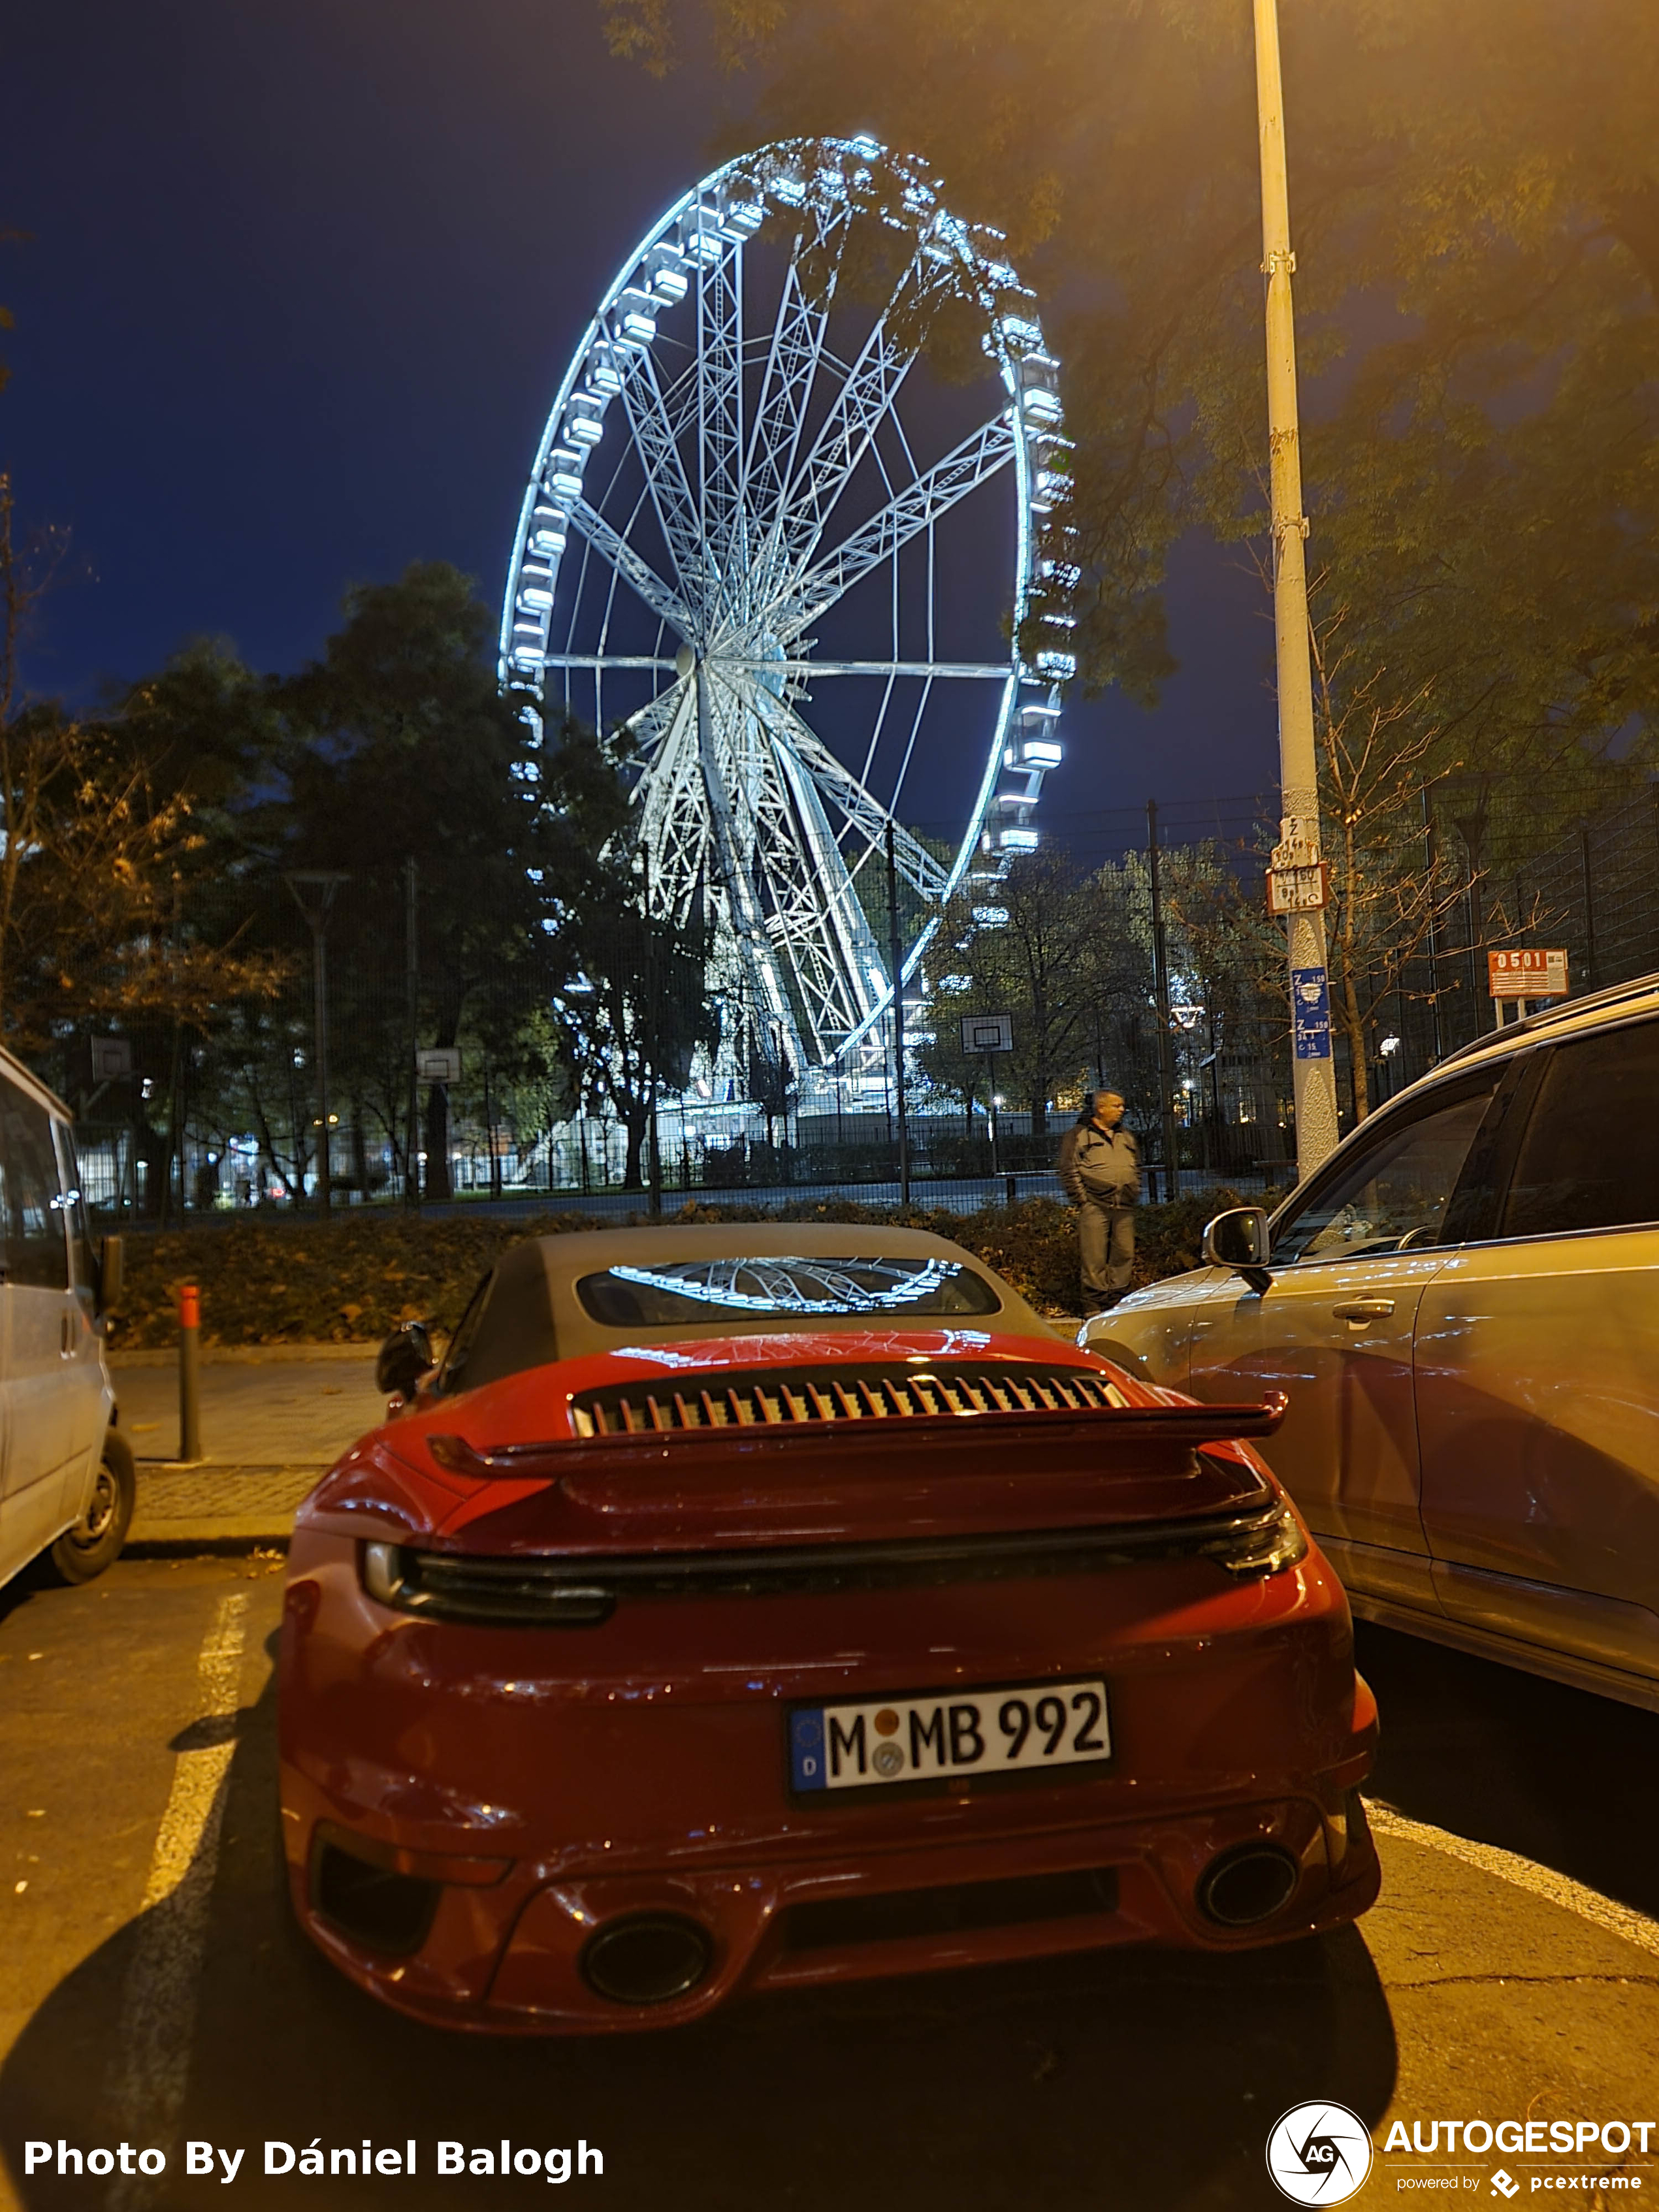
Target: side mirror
point(1238, 1239)
point(112, 1273)
point(403, 1360)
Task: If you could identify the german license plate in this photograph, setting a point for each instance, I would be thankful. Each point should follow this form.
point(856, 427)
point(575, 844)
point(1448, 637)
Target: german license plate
point(1020, 1729)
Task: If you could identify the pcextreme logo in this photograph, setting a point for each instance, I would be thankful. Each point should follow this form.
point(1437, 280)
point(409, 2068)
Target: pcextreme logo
point(1319, 2153)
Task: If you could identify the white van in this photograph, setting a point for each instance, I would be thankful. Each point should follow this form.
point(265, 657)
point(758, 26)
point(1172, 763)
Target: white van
point(66, 1473)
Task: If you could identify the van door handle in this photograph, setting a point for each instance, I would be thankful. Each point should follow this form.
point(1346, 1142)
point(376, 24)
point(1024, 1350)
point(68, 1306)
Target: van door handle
point(1363, 1310)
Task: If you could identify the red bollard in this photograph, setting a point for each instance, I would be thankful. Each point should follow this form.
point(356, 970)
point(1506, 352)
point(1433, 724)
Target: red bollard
point(189, 1373)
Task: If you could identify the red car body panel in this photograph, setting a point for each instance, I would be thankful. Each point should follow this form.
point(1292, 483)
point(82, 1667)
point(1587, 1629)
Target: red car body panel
point(550, 1781)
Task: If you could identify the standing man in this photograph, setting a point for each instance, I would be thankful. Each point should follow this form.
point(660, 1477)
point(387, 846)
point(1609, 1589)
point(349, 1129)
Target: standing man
point(1100, 1170)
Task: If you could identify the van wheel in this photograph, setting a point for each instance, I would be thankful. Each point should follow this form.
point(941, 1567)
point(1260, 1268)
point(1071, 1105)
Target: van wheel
point(86, 1549)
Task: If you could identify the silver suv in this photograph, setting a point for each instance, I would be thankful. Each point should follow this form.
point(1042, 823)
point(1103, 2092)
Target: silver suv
point(66, 1475)
point(1462, 1306)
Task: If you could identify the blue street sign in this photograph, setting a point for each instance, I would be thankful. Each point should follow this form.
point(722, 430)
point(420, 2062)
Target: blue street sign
point(1310, 1011)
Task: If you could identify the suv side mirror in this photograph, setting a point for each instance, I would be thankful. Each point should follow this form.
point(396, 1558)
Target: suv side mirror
point(403, 1360)
point(1238, 1239)
point(112, 1273)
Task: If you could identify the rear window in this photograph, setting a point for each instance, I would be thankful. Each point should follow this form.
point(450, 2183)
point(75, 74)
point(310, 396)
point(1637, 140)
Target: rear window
point(783, 1291)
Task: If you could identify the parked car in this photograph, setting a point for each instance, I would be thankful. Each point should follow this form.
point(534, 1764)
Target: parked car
point(751, 1607)
point(1463, 1306)
point(66, 1475)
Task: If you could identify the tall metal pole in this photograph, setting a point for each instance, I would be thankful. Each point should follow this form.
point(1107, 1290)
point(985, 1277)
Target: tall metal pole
point(412, 984)
point(1166, 1022)
point(313, 890)
point(895, 963)
point(1315, 1073)
point(324, 1187)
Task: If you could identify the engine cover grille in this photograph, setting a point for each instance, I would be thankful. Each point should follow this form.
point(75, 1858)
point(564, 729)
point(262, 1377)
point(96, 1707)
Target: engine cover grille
point(815, 1396)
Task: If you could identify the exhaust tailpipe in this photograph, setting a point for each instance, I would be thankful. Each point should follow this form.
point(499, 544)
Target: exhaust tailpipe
point(1248, 1884)
point(646, 1958)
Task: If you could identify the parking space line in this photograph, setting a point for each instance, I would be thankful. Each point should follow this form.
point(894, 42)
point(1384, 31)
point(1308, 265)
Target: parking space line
point(1620, 1920)
point(158, 2012)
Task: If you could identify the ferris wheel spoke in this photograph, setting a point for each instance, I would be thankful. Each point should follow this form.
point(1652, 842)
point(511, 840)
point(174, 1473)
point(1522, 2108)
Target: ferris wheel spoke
point(909, 512)
point(865, 399)
point(666, 605)
point(863, 811)
point(792, 372)
point(673, 818)
point(605, 661)
point(982, 672)
point(676, 510)
point(814, 915)
point(724, 763)
point(719, 421)
point(648, 725)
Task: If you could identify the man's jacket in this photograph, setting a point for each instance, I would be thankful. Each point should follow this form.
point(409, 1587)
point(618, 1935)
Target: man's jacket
point(1096, 1164)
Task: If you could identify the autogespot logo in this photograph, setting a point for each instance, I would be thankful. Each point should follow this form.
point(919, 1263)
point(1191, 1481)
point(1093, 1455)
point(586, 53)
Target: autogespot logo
point(1319, 2153)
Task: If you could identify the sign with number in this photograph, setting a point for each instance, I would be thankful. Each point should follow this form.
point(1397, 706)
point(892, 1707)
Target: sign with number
point(111, 1058)
point(439, 1063)
point(987, 1033)
point(1300, 890)
point(1310, 1012)
point(1526, 972)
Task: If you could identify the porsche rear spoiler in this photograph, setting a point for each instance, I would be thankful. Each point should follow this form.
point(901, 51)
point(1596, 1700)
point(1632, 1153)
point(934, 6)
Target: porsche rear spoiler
point(1163, 1427)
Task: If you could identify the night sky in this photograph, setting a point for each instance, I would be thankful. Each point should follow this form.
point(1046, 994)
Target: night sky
point(297, 289)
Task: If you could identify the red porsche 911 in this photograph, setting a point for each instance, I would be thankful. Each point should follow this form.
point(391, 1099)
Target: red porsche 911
point(742, 1608)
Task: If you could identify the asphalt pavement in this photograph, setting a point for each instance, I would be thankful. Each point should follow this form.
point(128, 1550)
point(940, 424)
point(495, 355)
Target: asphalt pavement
point(156, 1991)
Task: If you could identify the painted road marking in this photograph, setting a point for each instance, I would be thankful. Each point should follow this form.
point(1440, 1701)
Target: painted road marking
point(151, 2070)
point(1509, 1866)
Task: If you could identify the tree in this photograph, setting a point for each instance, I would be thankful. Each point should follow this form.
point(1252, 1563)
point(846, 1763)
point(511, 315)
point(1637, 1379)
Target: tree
point(97, 846)
point(1476, 196)
point(640, 1011)
point(1041, 948)
point(401, 747)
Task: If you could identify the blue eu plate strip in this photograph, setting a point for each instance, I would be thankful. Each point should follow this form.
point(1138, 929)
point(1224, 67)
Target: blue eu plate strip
point(807, 1750)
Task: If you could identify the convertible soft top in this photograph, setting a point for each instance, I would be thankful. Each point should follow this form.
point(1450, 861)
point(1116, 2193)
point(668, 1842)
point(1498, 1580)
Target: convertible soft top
point(594, 1290)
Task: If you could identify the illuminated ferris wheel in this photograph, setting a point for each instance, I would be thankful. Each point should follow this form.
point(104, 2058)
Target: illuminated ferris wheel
point(759, 539)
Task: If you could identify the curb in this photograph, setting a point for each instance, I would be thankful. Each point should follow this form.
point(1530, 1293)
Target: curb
point(241, 1355)
point(231, 1535)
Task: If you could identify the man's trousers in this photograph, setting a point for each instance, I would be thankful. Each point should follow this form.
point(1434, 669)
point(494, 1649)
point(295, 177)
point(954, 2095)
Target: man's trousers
point(1106, 1249)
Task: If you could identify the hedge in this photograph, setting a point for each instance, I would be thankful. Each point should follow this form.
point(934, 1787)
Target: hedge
point(351, 1279)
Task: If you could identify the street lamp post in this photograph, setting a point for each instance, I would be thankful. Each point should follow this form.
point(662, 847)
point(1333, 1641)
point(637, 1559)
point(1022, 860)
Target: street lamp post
point(1315, 1074)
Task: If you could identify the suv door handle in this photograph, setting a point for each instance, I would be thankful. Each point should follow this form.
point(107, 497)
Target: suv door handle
point(1363, 1310)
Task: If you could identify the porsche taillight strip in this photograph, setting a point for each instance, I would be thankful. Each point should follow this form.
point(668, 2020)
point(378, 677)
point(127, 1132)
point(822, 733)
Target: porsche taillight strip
point(585, 1593)
point(810, 1396)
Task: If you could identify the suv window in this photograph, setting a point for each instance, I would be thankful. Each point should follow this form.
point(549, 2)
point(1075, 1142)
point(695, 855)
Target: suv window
point(37, 1243)
point(1589, 1158)
point(1392, 1191)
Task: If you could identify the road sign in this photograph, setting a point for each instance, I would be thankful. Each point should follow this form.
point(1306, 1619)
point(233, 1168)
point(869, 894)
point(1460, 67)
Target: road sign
point(439, 1063)
point(111, 1058)
point(1526, 972)
point(1311, 1010)
point(987, 1032)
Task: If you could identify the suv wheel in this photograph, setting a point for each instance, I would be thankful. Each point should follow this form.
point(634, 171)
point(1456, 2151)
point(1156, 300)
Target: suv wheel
point(87, 1548)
